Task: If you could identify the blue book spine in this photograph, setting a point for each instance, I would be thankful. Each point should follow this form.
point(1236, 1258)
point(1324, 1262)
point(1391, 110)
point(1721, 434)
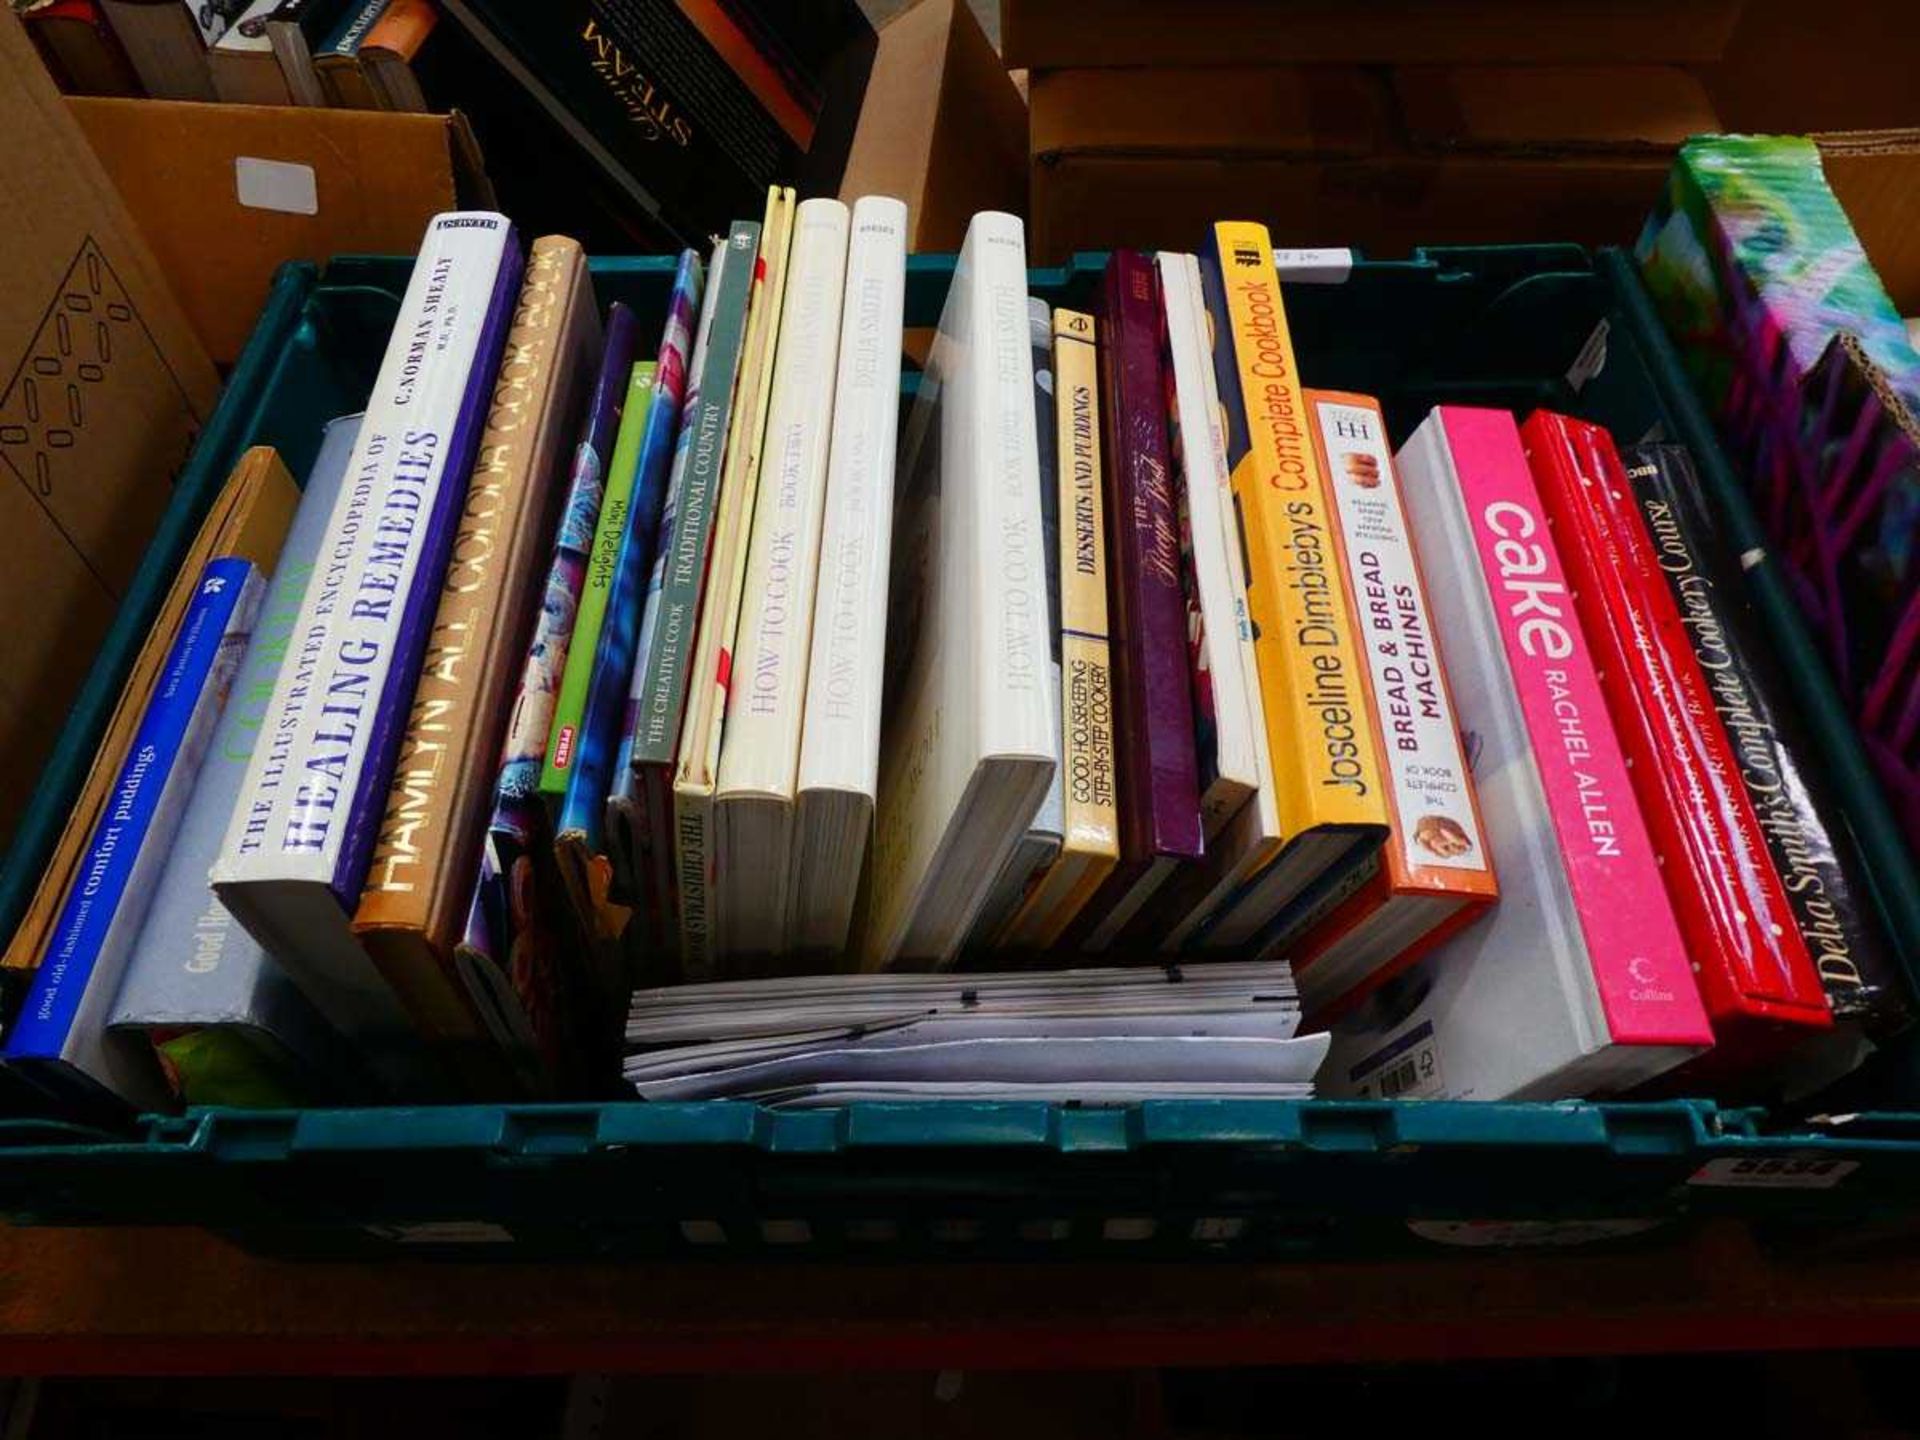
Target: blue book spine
point(613, 659)
point(108, 899)
point(345, 37)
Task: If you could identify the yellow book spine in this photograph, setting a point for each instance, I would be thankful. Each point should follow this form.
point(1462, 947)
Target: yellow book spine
point(1091, 816)
point(1090, 822)
point(1326, 766)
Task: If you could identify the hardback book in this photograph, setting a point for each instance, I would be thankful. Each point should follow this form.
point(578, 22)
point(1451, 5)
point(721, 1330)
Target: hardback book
point(1223, 732)
point(754, 794)
point(1160, 825)
point(227, 1022)
point(840, 726)
point(696, 767)
point(1329, 792)
point(1434, 874)
point(413, 907)
point(1230, 742)
point(249, 518)
point(1089, 809)
point(609, 531)
point(967, 752)
point(1759, 983)
point(1799, 819)
point(640, 809)
point(390, 55)
point(336, 60)
point(244, 68)
point(688, 113)
point(80, 48)
point(581, 838)
point(59, 1042)
point(167, 42)
point(519, 888)
point(1577, 983)
point(300, 842)
point(297, 28)
point(1039, 847)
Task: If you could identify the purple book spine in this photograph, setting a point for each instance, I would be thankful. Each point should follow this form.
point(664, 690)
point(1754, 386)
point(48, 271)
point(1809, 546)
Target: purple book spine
point(423, 597)
point(1159, 786)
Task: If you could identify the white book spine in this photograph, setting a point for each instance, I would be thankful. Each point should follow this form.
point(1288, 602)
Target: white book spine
point(840, 730)
point(760, 754)
point(1204, 474)
point(1012, 685)
point(337, 696)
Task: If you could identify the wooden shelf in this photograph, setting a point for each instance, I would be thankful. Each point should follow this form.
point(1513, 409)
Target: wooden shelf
point(181, 1302)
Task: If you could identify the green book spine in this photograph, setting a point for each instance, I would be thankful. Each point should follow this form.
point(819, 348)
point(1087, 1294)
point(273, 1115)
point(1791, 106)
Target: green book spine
point(668, 639)
point(571, 703)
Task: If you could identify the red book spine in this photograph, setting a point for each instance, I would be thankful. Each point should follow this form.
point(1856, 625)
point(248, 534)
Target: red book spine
point(1755, 975)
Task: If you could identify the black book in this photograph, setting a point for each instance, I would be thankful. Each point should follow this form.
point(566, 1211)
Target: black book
point(1805, 831)
point(682, 111)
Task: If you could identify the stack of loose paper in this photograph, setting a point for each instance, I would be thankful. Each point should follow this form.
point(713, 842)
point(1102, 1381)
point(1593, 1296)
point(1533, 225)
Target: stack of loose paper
point(1106, 1036)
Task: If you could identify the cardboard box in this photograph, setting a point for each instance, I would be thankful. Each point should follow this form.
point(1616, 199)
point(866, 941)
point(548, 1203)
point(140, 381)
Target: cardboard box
point(227, 193)
point(103, 386)
point(1349, 157)
point(1793, 68)
point(1057, 34)
point(1875, 175)
point(942, 126)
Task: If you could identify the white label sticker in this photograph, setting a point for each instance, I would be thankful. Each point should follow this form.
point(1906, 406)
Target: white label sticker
point(444, 1232)
point(281, 185)
point(1592, 358)
point(1504, 1234)
point(1773, 1172)
point(1314, 267)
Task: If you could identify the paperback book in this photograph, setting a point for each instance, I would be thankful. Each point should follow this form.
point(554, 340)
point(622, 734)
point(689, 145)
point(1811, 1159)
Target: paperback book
point(640, 811)
point(228, 1024)
point(60, 1041)
point(581, 843)
point(609, 534)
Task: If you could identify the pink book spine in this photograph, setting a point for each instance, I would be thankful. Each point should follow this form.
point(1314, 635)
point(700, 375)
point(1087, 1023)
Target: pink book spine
point(1640, 966)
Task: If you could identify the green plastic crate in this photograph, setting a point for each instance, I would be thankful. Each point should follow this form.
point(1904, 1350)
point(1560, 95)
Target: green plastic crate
point(1517, 326)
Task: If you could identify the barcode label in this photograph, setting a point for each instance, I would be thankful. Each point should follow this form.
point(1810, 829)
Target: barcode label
point(1774, 1172)
point(1412, 1076)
